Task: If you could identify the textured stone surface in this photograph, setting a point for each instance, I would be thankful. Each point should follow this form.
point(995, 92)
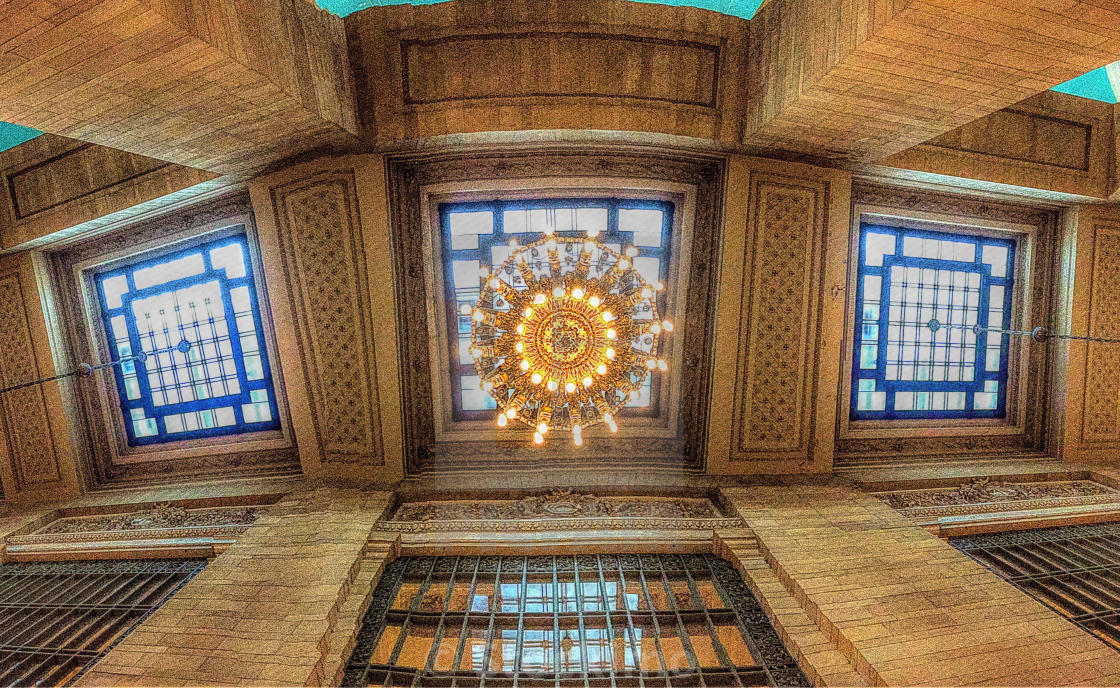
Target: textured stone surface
point(903, 606)
point(266, 611)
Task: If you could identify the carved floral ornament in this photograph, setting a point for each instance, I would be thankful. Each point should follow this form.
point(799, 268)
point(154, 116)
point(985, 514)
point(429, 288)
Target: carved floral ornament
point(984, 492)
point(558, 511)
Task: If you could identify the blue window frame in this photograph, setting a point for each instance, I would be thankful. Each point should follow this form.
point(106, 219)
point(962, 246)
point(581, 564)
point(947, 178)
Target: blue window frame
point(204, 295)
point(901, 369)
point(476, 235)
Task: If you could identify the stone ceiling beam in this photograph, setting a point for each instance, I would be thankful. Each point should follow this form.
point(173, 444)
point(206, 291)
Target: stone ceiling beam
point(229, 87)
point(863, 79)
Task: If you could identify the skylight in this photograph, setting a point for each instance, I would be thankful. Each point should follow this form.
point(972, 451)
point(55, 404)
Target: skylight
point(11, 135)
point(744, 9)
point(1101, 84)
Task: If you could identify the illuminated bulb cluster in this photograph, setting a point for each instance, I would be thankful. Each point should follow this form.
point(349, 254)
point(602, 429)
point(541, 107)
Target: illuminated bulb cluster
point(564, 334)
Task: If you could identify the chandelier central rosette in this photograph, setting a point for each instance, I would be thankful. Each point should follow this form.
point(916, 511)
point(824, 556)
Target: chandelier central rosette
point(564, 333)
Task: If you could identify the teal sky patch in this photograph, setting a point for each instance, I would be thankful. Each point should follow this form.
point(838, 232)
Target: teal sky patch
point(1095, 85)
point(11, 135)
point(735, 8)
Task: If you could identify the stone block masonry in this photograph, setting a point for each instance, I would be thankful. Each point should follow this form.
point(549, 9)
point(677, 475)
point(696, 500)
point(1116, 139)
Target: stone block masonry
point(906, 608)
point(265, 612)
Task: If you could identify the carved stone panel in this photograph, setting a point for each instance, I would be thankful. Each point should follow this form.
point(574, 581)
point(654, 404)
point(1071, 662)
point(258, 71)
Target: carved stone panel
point(778, 322)
point(1101, 416)
point(325, 269)
point(27, 422)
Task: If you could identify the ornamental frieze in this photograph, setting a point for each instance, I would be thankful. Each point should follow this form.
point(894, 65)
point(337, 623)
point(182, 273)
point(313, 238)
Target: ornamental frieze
point(559, 511)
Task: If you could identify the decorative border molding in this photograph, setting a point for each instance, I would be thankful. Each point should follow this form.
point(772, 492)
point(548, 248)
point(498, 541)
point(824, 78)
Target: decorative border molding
point(778, 326)
point(320, 237)
point(93, 410)
point(1025, 432)
point(549, 524)
point(407, 176)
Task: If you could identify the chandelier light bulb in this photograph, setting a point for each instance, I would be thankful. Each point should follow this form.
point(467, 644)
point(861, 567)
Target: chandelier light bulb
point(465, 309)
point(513, 243)
point(593, 232)
point(484, 272)
point(659, 286)
point(668, 326)
point(565, 350)
point(662, 365)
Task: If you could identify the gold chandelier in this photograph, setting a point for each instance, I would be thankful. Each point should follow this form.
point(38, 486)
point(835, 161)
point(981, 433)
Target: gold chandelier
point(564, 333)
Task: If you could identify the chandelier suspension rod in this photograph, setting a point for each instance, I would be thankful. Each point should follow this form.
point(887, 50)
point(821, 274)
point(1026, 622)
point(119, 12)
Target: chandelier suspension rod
point(85, 370)
point(1038, 334)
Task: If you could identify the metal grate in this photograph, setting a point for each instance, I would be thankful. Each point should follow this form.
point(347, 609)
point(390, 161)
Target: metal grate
point(1074, 569)
point(589, 620)
point(59, 618)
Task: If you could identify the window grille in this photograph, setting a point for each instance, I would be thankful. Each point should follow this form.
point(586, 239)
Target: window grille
point(1074, 570)
point(902, 369)
point(476, 236)
point(205, 296)
point(59, 618)
point(590, 620)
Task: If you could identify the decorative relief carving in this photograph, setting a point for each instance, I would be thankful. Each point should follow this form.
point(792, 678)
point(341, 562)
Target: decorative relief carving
point(325, 266)
point(984, 491)
point(1101, 417)
point(159, 517)
point(985, 496)
point(30, 441)
point(558, 511)
point(775, 363)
